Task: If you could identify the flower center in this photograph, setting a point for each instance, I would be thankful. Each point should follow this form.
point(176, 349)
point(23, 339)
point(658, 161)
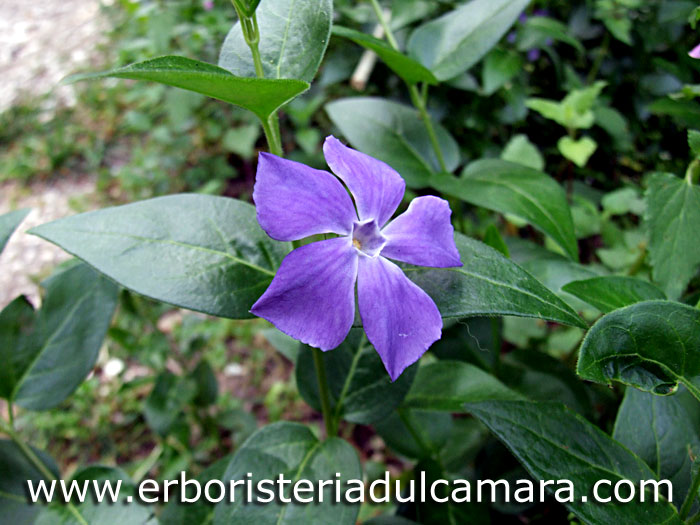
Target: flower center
point(367, 239)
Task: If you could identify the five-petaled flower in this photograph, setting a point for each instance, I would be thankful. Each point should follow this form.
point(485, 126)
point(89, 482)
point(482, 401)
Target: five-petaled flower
point(312, 297)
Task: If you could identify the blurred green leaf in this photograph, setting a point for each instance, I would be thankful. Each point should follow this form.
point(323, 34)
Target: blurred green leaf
point(500, 67)
point(261, 96)
point(9, 223)
point(395, 134)
point(294, 35)
point(200, 252)
point(521, 151)
point(164, 405)
point(610, 292)
point(672, 218)
point(577, 151)
point(539, 29)
point(454, 42)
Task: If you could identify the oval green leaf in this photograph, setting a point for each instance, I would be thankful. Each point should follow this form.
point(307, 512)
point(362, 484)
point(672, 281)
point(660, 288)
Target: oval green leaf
point(262, 96)
point(395, 134)
point(512, 188)
point(291, 450)
point(490, 284)
point(454, 42)
point(652, 346)
point(200, 252)
point(294, 35)
point(9, 223)
point(554, 443)
point(610, 292)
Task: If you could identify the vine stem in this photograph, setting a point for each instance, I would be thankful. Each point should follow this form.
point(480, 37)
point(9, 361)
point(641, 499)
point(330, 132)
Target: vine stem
point(419, 101)
point(690, 498)
point(41, 467)
point(324, 393)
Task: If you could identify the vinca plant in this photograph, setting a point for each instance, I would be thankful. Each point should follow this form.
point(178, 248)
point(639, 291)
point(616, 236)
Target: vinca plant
point(488, 297)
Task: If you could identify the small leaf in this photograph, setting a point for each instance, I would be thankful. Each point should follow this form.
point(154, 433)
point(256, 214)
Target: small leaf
point(395, 134)
point(454, 42)
point(261, 96)
point(538, 30)
point(448, 385)
point(361, 391)
point(554, 443)
point(610, 292)
point(292, 450)
point(207, 386)
point(200, 252)
point(408, 69)
point(521, 151)
point(434, 428)
point(493, 239)
point(489, 284)
point(672, 218)
point(651, 346)
point(15, 473)
point(664, 432)
point(49, 354)
point(294, 35)
point(499, 67)
point(9, 223)
point(577, 151)
point(167, 399)
point(511, 188)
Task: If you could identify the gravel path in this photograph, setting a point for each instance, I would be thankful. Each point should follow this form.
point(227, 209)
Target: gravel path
point(40, 43)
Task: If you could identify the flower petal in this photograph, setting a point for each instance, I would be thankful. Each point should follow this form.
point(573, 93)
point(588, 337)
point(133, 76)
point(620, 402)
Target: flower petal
point(294, 201)
point(423, 235)
point(312, 297)
point(377, 187)
point(695, 52)
point(400, 319)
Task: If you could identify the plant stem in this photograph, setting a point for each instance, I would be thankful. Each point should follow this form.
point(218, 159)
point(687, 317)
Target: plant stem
point(324, 393)
point(271, 129)
point(40, 466)
point(690, 498)
point(692, 174)
point(407, 420)
point(419, 101)
point(10, 414)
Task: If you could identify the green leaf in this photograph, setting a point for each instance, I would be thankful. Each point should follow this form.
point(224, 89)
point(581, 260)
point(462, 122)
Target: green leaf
point(499, 67)
point(448, 385)
point(261, 96)
point(284, 344)
point(9, 223)
point(247, 6)
point(511, 188)
point(521, 151)
point(489, 284)
point(454, 42)
point(539, 29)
point(693, 144)
point(207, 386)
point(15, 472)
point(575, 111)
point(292, 450)
point(651, 346)
point(554, 443)
point(361, 390)
point(167, 399)
point(177, 512)
point(434, 428)
point(493, 238)
point(47, 354)
point(610, 292)
point(664, 431)
point(577, 151)
point(200, 252)
point(395, 134)
point(685, 113)
point(672, 217)
point(123, 511)
point(294, 35)
point(408, 69)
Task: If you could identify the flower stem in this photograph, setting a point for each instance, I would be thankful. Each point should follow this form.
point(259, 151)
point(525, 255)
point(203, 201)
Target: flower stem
point(418, 101)
point(40, 466)
point(692, 174)
point(690, 498)
point(324, 393)
point(251, 34)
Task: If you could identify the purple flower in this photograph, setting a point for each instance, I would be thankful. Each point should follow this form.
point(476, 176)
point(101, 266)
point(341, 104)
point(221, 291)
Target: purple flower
point(208, 5)
point(312, 297)
point(695, 53)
